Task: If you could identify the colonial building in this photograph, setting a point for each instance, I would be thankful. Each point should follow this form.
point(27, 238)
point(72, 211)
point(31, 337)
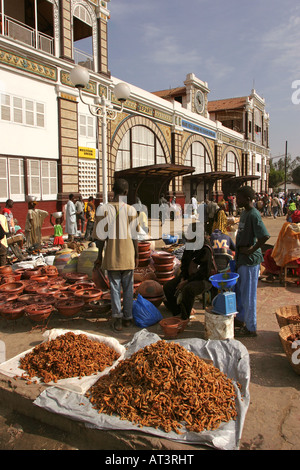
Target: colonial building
point(171, 142)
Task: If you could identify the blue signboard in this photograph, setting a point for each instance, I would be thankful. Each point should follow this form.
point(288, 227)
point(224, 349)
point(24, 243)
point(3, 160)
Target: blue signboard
point(199, 129)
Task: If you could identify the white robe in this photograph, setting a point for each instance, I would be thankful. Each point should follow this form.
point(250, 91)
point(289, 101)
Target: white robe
point(71, 227)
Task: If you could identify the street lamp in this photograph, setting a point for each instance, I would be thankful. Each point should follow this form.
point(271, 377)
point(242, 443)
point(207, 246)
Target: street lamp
point(103, 110)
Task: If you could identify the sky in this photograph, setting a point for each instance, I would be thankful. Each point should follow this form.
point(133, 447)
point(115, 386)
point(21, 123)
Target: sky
point(233, 45)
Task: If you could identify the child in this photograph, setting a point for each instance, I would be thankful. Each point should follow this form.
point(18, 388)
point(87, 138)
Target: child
point(58, 231)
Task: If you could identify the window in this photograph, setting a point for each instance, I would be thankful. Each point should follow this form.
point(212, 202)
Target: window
point(197, 156)
point(86, 126)
point(20, 110)
point(231, 164)
point(42, 179)
point(142, 146)
point(11, 179)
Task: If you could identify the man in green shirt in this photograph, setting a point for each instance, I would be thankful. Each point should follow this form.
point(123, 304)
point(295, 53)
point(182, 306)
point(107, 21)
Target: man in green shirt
point(252, 235)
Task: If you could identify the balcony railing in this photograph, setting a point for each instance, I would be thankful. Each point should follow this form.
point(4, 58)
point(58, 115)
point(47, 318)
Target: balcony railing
point(84, 59)
point(18, 31)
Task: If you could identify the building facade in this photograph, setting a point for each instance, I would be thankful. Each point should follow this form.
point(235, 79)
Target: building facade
point(172, 142)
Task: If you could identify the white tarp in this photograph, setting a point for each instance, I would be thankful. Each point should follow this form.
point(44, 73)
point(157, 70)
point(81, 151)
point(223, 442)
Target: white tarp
point(79, 385)
point(230, 356)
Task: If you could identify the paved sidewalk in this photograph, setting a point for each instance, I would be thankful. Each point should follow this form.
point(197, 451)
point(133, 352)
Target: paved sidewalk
point(272, 421)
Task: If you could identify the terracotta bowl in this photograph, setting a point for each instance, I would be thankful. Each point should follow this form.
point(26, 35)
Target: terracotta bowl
point(172, 326)
point(31, 272)
point(39, 278)
point(149, 289)
point(75, 277)
point(12, 310)
point(81, 285)
point(50, 271)
point(8, 278)
point(48, 290)
point(144, 255)
point(144, 246)
point(38, 312)
point(28, 298)
point(164, 275)
point(162, 257)
point(101, 306)
point(165, 280)
point(20, 271)
point(70, 307)
point(12, 287)
point(144, 262)
point(88, 295)
point(164, 267)
point(63, 295)
point(101, 281)
point(6, 297)
point(4, 270)
point(31, 287)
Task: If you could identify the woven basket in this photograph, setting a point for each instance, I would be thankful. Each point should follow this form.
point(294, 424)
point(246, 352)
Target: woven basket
point(293, 354)
point(283, 314)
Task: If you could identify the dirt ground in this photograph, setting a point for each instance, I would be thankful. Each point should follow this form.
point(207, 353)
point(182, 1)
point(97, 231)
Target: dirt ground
point(272, 420)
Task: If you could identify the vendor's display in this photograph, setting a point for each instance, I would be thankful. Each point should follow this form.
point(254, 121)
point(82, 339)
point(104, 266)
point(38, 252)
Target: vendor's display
point(173, 326)
point(290, 339)
point(288, 314)
point(68, 355)
point(165, 386)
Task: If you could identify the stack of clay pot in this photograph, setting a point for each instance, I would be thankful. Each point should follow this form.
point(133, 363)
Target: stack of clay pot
point(144, 253)
point(164, 266)
point(152, 291)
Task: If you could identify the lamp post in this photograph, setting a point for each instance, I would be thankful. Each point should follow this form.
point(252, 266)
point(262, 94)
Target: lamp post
point(103, 110)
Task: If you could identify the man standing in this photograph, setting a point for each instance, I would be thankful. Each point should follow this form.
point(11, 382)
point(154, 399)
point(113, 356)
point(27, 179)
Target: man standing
point(116, 227)
point(71, 218)
point(90, 216)
point(251, 236)
point(7, 211)
point(3, 241)
point(79, 206)
point(33, 225)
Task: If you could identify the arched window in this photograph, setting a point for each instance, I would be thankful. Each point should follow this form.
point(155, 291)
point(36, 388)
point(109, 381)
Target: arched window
point(231, 163)
point(197, 156)
point(83, 37)
point(139, 147)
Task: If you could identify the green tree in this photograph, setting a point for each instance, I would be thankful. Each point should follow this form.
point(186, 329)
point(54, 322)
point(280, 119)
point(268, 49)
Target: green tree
point(296, 175)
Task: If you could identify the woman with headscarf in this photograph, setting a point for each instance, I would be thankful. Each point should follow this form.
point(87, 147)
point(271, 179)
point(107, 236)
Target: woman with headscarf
point(220, 220)
point(33, 225)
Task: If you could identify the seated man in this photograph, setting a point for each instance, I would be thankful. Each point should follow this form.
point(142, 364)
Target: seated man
point(221, 242)
point(193, 280)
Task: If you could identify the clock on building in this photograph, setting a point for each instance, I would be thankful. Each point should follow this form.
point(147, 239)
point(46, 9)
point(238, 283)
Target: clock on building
point(199, 101)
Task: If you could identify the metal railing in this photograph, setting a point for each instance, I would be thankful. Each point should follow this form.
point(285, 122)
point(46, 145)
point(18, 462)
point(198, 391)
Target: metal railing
point(18, 31)
point(84, 59)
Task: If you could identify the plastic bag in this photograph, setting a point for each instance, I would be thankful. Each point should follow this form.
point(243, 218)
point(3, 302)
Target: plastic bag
point(145, 313)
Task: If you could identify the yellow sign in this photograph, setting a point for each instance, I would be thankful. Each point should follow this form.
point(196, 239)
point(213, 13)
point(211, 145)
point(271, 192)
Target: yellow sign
point(85, 152)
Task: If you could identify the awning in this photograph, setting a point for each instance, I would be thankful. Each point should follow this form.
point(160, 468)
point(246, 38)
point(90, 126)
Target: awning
point(163, 170)
point(242, 179)
point(211, 176)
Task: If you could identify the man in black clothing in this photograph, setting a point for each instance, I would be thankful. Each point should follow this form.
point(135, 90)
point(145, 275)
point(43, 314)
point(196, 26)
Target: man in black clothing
point(196, 268)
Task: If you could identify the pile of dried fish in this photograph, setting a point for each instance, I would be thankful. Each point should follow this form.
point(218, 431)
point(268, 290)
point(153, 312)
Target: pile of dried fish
point(165, 386)
point(66, 356)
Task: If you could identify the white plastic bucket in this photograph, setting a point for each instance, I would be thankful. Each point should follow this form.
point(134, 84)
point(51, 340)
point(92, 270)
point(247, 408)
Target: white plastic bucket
point(218, 326)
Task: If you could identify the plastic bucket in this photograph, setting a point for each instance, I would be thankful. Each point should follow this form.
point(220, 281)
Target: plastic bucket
point(218, 326)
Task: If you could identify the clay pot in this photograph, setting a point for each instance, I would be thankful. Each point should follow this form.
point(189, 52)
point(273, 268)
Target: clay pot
point(101, 281)
point(63, 295)
point(48, 290)
point(88, 295)
point(38, 312)
point(164, 268)
point(12, 310)
point(81, 285)
point(39, 278)
point(75, 277)
point(144, 246)
point(8, 278)
point(69, 307)
point(31, 272)
point(50, 271)
point(6, 297)
point(149, 289)
point(101, 306)
point(12, 287)
point(28, 298)
point(30, 287)
point(20, 271)
point(5, 270)
point(161, 257)
point(144, 255)
point(144, 262)
point(172, 326)
point(165, 280)
point(162, 275)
